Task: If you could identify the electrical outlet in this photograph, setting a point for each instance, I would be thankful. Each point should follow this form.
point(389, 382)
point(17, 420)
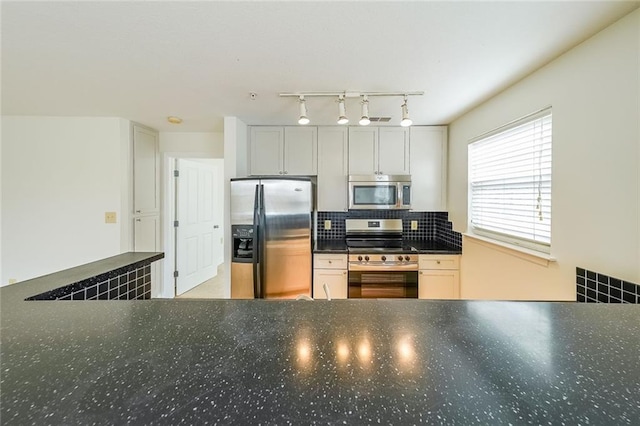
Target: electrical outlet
point(414, 225)
point(327, 224)
point(110, 217)
point(12, 281)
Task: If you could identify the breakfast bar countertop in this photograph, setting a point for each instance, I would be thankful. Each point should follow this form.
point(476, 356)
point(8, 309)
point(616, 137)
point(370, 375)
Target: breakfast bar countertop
point(318, 362)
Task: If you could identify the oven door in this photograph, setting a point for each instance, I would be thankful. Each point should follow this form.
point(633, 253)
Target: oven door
point(380, 283)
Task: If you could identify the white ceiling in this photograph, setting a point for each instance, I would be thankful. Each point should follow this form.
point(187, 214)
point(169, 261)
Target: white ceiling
point(147, 60)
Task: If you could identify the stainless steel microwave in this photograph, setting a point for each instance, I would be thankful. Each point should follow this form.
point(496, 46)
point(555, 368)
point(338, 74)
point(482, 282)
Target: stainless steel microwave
point(379, 192)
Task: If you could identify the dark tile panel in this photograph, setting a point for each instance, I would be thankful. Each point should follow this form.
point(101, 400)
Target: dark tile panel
point(594, 287)
point(129, 284)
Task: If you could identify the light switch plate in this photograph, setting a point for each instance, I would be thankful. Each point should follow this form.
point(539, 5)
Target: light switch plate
point(414, 225)
point(327, 224)
point(110, 217)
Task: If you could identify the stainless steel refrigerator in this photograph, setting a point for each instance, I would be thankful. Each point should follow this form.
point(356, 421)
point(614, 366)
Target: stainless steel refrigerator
point(271, 232)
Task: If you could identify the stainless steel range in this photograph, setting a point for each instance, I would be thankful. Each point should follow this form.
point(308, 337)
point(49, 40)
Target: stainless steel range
point(380, 266)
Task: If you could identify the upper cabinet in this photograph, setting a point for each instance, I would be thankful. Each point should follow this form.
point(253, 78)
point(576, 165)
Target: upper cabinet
point(378, 150)
point(332, 169)
point(146, 171)
point(429, 168)
point(278, 151)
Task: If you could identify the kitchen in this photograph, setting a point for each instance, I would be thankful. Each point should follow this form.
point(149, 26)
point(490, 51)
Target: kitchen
point(595, 226)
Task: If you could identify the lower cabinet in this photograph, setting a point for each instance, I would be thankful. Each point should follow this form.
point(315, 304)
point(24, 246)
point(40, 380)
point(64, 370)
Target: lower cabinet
point(439, 276)
point(330, 269)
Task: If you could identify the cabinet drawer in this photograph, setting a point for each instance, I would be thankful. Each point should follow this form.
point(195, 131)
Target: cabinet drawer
point(427, 261)
point(330, 261)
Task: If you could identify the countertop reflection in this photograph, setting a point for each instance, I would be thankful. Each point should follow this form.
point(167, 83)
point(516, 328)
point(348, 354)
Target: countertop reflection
point(320, 362)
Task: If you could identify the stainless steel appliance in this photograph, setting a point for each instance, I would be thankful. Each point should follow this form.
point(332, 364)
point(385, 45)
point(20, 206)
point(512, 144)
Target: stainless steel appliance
point(379, 192)
point(379, 266)
point(271, 229)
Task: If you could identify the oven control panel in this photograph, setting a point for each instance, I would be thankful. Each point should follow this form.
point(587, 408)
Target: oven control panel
point(383, 259)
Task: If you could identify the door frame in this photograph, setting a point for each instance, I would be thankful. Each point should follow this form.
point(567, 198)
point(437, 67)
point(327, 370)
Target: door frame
point(168, 290)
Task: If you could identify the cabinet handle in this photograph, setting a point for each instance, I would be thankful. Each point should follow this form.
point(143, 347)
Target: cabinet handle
point(280, 172)
point(344, 273)
point(438, 262)
point(330, 262)
point(286, 172)
point(421, 273)
point(138, 220)
point(138, 211)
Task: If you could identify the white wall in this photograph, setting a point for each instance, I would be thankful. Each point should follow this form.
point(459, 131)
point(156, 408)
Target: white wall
point(235, 165)
point(59, 177)
point(594, 90)
point(210, 145)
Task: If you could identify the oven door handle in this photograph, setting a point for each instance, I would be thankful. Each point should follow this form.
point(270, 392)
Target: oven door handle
point(382, 267)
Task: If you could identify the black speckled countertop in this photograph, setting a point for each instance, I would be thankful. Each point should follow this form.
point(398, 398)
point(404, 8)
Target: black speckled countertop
point(318, 362)
point(410, 246)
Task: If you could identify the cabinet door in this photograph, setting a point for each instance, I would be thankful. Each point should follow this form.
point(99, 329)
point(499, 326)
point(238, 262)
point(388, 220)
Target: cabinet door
point(300, 151)
point(438, 284)
point(335, 279)
point(266, 151)
point(146, 233)
point(146, 171)
point(332, 169)
point(429, 168)
point(363, 154)
point(393, 151)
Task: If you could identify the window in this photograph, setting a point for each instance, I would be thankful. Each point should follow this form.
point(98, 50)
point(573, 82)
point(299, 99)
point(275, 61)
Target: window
point(510, 183)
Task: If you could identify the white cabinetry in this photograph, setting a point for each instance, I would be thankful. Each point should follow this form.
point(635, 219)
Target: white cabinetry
point(332, 169)
point(330, 269)
point(146, 231)
point(439, 276)
point(146, 189)
point(146, 171)
point(378, 150)
point(277, 151)
point(428, 164)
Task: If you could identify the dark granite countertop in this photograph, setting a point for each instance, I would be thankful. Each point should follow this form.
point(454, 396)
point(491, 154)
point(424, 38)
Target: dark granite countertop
point(330, 246)
point(318, 362)
point(410, 246)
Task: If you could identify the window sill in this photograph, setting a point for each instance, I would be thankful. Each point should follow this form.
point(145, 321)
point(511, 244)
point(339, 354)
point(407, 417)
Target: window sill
point(529, 255)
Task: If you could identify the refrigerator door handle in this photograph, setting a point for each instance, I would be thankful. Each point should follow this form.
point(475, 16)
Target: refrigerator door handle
point(256, 246)
point(263, 242)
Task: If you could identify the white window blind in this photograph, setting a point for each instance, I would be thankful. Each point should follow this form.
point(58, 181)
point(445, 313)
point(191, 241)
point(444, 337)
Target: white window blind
point(510, 182)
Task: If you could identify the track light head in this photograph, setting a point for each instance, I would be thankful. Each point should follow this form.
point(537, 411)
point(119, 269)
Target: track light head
point(364, 121)
point(342, 115)
point(303, 111)
point(406, 121)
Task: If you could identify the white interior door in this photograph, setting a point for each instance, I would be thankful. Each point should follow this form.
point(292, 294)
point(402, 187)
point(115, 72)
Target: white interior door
point(196, 235)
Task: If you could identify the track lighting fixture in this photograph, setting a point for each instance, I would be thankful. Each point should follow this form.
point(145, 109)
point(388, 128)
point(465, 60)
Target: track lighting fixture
point(406, 121)
point(303, 111)
point(342, 117)
point(364, 120)
point(342, 96)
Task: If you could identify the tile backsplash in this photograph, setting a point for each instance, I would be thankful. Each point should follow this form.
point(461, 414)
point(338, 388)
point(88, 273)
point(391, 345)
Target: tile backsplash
point(592, 287)
point(431, 225)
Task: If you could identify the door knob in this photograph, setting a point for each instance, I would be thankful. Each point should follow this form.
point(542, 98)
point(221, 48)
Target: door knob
point(215, 227)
